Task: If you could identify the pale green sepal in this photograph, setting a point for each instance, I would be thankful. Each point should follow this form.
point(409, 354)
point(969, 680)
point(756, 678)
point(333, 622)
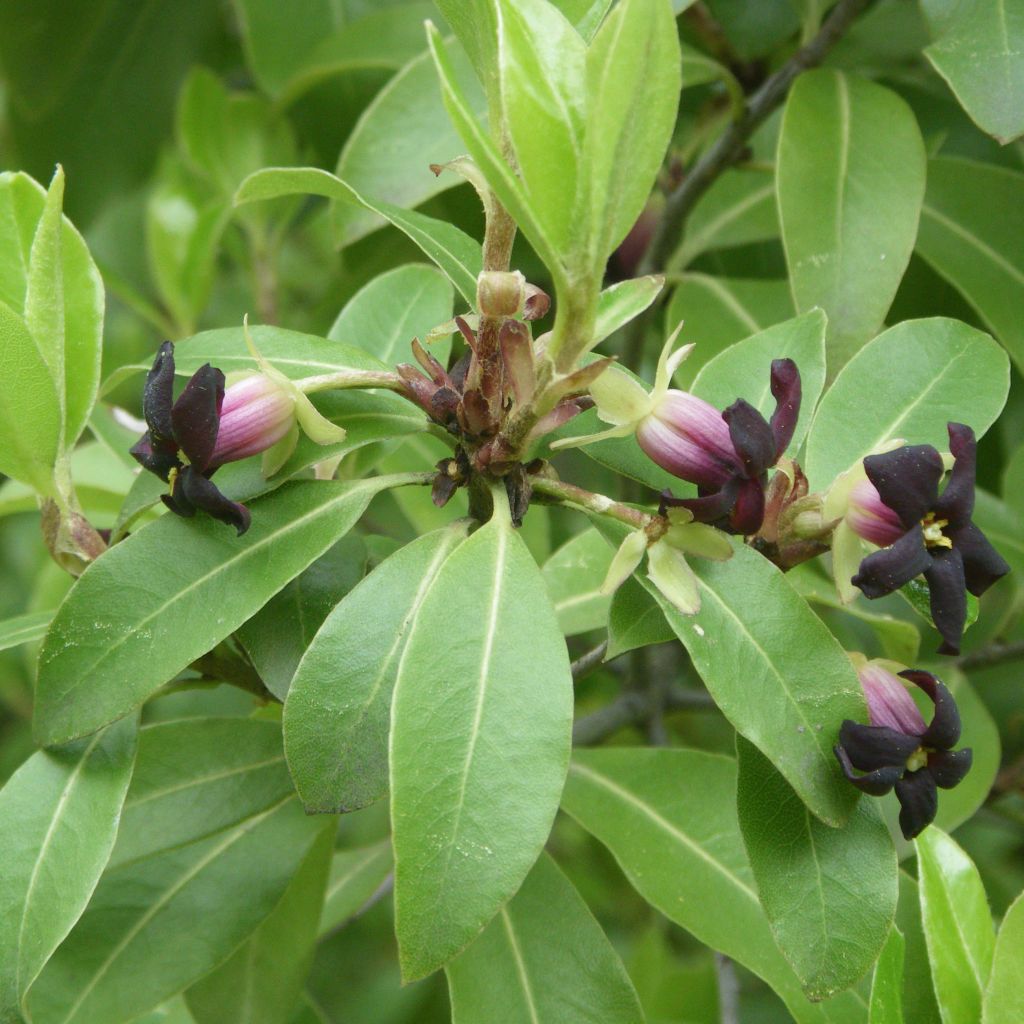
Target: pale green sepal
point(668, 571)
point(700, 539)
point(278, 454)
point(669, 362)
point(847, 552)
point(603, 435)
point(626, 559)
point(620, 400)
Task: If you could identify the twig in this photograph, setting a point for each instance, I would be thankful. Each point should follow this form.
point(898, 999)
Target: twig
point(993, 654)
point(732, 143)
point(570, 494)
point(728, 990)
point(587, 662)
point(631, 707)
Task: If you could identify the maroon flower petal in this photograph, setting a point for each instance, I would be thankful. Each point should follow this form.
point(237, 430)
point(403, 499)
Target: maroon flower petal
point(203, 494)
point(919, 800)
point(949, 767)
point(787, 391)
point(748, 513)
point(875, 746)
point(944, 730)
point(956, 503)
point(708, 508)
point(158, 395)
point(751, 437)
point(983, 565)
point(887, 570)
point(907, 480)
point(947, 591)
point(196, 415)
point(876, 783)
point(160, 462)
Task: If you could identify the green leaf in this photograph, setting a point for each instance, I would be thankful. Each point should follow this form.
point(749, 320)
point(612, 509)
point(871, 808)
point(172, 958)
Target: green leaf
point(454, 252)
point(338, 709)
point(851, 175)
point(1004, 997)
point(1002, 525)
point(972, 233)
point(929, 365)
point(957, 925)
point(887, 983)
point(919, 1005)
point(1013, 482)
point(744, 370)
point(398, 135)
point(543, 958)
point(277, 636)
point(830, 894)
point(917, 594)
point(197, 776)
point(801, 677)
point(574, 574)
point(24, 629)
point(633, 81)
point(978, 54)
point(718, 311)
point(401, 304)
point(669, 818)
point(58, 814)
point(356, 875)
point(480, 742)
point(263, 980)
point(624, 301)
point(106, 971)
point(635, 620)
point(738, 208)
point(169, 593)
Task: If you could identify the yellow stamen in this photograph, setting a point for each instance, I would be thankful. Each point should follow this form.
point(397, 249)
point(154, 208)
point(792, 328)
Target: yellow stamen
point(918, 759)
point(172, 476)
point(933, 535)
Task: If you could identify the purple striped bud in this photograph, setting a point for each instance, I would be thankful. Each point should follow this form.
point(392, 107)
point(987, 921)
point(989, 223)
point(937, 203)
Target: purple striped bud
point(255, 415)
point(869, 517)
point(889, 702)
point(689, 438)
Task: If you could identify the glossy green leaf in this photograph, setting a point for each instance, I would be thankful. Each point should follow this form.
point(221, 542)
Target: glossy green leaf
point(574, 574)
point(356, 875)
point(339, 706)
point(480, 742)
point(830, 894)
point(59, 814)
point(277, 636)
point(106, 971)
point(174, 1011)
point(957, 926)
point(197, 776)
point(978, 55)
point(452, 250)
point(744, 370)
point(929, 365)
point(543, 958)
point(385, 315)
point(624, 301)
point(972, 233)
point(1004, 995)
point(397, 137)
point(887, 984)
point(24, 629)
point(262, 981)
point(737, 209)
point(919, 1004)
point(717, 312)
point(635, 620)
point(169, 593)
point(633, 81)
point(669, 818)
point(755, 635)
point(851, 175)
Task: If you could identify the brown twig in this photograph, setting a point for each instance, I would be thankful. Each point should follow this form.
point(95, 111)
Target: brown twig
point(993, 654)
point(631, 707)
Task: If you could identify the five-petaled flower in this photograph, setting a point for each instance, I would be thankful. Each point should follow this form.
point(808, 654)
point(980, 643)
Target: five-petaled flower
point(898, 750)
point(925, 532)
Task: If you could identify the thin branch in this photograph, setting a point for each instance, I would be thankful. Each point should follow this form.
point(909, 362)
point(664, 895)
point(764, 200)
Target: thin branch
point(731, 145)
point(993, 654)
point(587, 662)
point(728, 990)
point(570, 494)
point(632, 707)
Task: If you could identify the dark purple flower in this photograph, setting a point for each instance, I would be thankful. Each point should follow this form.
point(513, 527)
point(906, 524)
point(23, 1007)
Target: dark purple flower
point(728, 454)
point(181, 442)
point(927, 533)
point(899, 751)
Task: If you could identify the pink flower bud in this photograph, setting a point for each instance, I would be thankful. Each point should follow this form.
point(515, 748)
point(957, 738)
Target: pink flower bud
point(688, 438)
point(869, 517)
point(889, 702)
point(255, 415)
